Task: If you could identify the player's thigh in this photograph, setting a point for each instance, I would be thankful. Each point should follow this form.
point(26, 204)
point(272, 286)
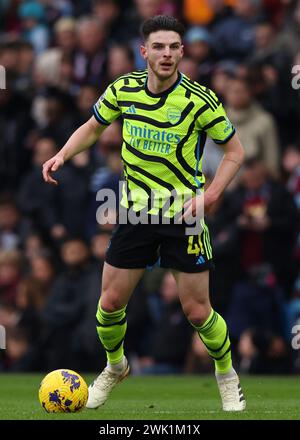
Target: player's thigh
point(117, 286)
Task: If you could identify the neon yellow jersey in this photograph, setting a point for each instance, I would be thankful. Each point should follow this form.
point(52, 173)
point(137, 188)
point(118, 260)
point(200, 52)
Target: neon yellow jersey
point(163, 135)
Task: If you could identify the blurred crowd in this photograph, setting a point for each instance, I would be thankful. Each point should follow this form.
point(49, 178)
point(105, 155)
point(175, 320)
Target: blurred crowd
point(59, 56)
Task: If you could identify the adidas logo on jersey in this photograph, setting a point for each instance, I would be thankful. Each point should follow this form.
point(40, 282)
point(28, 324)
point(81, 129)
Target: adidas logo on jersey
point(200, 260)
point(131, 109)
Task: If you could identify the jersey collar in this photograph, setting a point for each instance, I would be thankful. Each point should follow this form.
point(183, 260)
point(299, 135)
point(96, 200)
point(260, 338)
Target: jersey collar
point(165, 92)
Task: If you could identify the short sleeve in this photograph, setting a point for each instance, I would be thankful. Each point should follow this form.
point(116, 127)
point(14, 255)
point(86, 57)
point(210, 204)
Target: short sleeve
point(106, 109)
point(214, 121)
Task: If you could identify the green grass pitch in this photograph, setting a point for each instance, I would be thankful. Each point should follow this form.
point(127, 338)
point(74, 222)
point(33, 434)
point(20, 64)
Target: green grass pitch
point(159, 398)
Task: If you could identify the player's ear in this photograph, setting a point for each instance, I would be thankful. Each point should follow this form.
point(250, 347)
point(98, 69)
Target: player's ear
point(143, 52)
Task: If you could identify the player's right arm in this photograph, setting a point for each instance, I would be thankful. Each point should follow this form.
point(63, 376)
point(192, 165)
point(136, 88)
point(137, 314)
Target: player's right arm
point(80, 140)
point(106, 110)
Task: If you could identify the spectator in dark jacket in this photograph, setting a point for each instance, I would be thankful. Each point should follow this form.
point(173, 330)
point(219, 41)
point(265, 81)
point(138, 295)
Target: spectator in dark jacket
point(15, 124)
point(234, 36)
point(63, 310)
point(34, 194)
point(266, 216)
point(171, 337)
point(70, 197)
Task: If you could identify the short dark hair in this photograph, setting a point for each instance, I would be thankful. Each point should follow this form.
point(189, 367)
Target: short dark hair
point(161, 23)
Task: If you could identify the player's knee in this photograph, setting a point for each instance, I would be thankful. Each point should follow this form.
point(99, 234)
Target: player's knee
point(198, 314)
point(111, 301)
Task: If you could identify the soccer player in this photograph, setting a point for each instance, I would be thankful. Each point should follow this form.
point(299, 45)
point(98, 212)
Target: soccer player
point(166, 118)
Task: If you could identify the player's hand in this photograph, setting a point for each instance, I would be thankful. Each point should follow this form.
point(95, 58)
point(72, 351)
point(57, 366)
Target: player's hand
point(50, 167)
point(198, 206)
point(193, 208)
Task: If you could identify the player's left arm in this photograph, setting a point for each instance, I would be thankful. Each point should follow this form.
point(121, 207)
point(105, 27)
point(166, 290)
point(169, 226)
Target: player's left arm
point(217, 126)
point(232, 160)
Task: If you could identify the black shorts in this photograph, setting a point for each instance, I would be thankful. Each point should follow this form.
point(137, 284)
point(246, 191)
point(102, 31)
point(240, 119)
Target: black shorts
point(164, 245)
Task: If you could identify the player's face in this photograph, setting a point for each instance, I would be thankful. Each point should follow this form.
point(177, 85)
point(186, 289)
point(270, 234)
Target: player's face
point(163, 51)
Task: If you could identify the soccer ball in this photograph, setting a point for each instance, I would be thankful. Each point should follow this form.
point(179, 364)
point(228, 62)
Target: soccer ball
point(63, 391)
